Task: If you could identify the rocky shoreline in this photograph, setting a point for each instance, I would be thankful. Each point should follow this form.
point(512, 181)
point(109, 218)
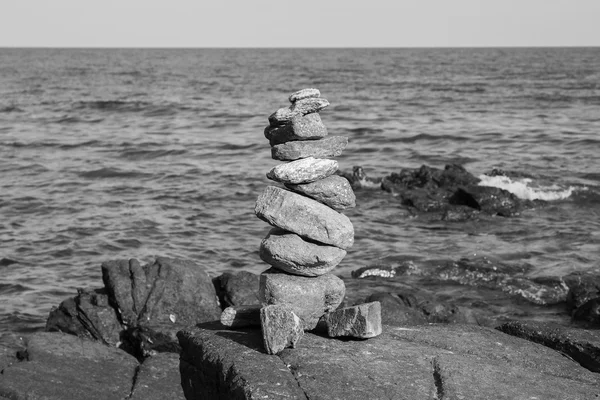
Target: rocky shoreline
point(167, 330)
point(146, 344)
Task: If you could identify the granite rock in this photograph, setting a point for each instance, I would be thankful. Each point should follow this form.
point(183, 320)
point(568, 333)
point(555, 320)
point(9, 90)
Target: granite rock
point(304, 94)
point(305, 217)
point(362, 321)
point(308, 298)
point(300, 127)
point(333, 191)
point(280, 328)
point(288, 252)
point(331, 146)
point(426, 362)
point(305, 170)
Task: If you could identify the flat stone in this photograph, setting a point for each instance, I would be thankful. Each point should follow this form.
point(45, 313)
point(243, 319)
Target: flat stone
point(308, 298)
point(290, 253)
point(298, 128)
point(305, 217)
point(304, 94)
point(333, 191)
point(581, 345)
point(280, 328)
point(300, 107)
point(241, 316)
point(362, 321)
point(305, 170)
point(426, 362)
point(331, 146)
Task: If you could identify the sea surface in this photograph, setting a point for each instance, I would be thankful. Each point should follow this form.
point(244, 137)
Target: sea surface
point(121, 153)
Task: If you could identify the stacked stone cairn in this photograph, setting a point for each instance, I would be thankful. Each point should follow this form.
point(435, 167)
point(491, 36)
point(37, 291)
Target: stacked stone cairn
point(309, 237)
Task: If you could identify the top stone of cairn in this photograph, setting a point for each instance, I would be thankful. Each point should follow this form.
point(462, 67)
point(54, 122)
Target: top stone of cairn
point(304, 94)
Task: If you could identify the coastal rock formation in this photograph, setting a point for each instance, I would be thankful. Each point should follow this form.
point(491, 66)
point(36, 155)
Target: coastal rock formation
point(425, 362)
point(58, 366)
point(311, 236)
point(141, 307)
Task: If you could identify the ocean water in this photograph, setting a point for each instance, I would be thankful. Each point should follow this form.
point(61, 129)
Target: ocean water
point(108, 154)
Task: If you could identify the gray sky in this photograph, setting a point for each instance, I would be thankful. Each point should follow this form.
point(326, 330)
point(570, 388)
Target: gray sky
point(305, 23)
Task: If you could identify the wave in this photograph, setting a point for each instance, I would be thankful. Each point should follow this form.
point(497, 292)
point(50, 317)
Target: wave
point(112, 173)
point(523, 189)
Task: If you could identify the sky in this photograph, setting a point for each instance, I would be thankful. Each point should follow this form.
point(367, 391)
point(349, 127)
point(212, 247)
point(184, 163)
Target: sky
point(306, 23)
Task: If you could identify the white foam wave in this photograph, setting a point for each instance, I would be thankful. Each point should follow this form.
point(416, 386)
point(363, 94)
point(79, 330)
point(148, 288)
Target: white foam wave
point(523, 189)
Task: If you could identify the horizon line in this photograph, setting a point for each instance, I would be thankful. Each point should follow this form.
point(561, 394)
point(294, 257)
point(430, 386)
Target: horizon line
point(297, 47)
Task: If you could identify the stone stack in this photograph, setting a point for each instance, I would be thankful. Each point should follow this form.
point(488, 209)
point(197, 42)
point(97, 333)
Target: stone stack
point(310, 236)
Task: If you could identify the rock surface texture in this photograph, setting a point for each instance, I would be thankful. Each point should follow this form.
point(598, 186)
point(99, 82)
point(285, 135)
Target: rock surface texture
point(311, 236)
point(58, 366)
point(424, 362)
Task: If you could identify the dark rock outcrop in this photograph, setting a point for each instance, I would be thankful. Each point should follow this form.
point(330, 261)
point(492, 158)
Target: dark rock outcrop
point(237, 289)
point(434, 361)
point(581, 345)
point(58, 366)
point(141, 307)
point(584, 296)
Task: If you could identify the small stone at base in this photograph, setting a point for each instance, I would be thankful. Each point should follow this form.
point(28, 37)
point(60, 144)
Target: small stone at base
point(241, 316)
point(361, 321)
point(281, 328)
